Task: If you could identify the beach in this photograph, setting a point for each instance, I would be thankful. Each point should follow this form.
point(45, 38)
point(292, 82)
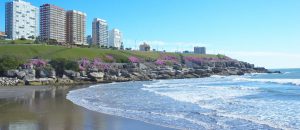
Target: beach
point(45, 108)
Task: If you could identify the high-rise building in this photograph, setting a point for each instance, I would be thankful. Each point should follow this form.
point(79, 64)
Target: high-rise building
point(21, 20)
point(89, 40)
point(76, 23)
point(115, 38)
point(52, 23)
point(100, 32)
point(199, 50)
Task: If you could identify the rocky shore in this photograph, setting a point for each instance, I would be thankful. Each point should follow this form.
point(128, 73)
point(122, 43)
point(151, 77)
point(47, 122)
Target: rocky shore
point(122, 72)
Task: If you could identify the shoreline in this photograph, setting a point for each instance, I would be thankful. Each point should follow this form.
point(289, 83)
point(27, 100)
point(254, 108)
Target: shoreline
point(19, 95)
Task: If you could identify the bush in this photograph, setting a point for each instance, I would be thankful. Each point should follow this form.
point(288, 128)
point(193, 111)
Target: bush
point(9, 62)
point(61, 64)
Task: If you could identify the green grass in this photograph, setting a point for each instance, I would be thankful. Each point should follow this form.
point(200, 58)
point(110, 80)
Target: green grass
point(16, 42)
point(75, 53)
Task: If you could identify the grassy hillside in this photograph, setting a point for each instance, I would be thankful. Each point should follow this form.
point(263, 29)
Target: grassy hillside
point(16, 42)
point(51, 52)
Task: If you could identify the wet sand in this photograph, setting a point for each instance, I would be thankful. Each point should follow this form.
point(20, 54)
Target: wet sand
point(42, 108)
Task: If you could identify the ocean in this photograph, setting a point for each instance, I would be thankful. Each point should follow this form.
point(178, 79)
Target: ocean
point(252, 101)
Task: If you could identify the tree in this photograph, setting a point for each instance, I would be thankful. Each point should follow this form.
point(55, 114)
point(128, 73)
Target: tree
point(122, 46)
point(31, 37)
point(23, 39)
point(61, 64)
point(9, 62)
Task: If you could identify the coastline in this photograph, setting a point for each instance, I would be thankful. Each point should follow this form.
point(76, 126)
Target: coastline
point(45, 107)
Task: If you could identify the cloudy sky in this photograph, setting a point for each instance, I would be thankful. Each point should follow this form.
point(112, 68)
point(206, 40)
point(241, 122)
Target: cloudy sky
point(264, 32)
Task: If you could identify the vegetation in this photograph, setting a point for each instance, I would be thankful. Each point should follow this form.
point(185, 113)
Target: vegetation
point(50, 52)
point(9, 62)
point(61, 64)
point(20, 41)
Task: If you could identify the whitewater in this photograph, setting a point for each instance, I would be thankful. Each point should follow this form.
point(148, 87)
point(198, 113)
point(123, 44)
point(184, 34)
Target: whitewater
point(252, 101)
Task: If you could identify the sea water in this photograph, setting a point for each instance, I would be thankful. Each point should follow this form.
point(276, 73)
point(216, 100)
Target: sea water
point(252, 101)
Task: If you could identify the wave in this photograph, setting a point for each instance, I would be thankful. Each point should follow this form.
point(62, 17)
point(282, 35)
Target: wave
point(278, 81)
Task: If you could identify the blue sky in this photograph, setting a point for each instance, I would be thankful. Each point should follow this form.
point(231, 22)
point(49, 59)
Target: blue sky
point(264, 32)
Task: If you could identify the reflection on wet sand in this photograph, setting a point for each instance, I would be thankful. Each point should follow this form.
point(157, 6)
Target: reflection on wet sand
point(43, 110)
point(48, 109)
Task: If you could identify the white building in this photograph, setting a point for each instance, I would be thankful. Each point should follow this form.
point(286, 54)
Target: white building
point(115, 38)
point(21, 19)
point(100, 32)
point(76, 25)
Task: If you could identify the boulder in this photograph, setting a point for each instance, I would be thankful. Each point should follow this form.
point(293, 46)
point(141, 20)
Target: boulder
point(43, 74)
point(96, 75)
point(70, 73)
point(29, 77)
point(21, 74)
point(11, 73)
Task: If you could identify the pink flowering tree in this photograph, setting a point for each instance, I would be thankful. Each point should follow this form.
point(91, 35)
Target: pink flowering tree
point(159, 62)
point(98, 64)
point(84, 64)
point(133, 59)
point(109, 58)
point(37, 63)
point(166, 60)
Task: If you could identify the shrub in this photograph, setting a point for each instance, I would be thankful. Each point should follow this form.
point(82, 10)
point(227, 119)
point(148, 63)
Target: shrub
point(133, 59)
point(61, 64)
point(9, 62)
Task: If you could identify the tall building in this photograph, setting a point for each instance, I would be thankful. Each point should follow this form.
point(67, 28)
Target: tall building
point(52, 23)
point(100, 32)
point(199, 50)
point(76, 23)
point(89, 40)
point(115, 38)
point(21, 20)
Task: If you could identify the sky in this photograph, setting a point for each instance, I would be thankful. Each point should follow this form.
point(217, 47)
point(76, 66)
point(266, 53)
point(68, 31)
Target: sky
point(263, 32)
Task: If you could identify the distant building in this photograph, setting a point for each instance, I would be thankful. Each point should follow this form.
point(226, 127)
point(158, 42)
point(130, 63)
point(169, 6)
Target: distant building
point(21, 20)
point(2, 35)
point(186, 52)
point(100, 32)
point(199, 50)
point(115, 38)
point(76, 23)
point(89, 40)
point(52, 23)
point(145, 47)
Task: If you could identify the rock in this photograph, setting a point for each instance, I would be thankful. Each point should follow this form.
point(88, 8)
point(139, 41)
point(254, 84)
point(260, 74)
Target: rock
point(21, 74)
point(70, 73)
point(29, 77)
point(43, 74)
point(96, 75)
point(52, 74)
point(83, 73)
point(11, 73)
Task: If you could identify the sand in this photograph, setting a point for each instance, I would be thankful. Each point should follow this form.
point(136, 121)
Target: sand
point(43, 108)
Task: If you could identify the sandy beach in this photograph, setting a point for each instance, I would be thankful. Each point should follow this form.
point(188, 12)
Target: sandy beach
point(43, 108)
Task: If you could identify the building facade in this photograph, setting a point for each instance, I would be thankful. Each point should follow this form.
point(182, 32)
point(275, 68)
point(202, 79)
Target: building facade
point(145, 47)
point(100, 32)
point(75, 28)
point(52, 23)
point(199, 50)
point(115, 38)
point(89, 40)
point(2, 35)
point(21, 20)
